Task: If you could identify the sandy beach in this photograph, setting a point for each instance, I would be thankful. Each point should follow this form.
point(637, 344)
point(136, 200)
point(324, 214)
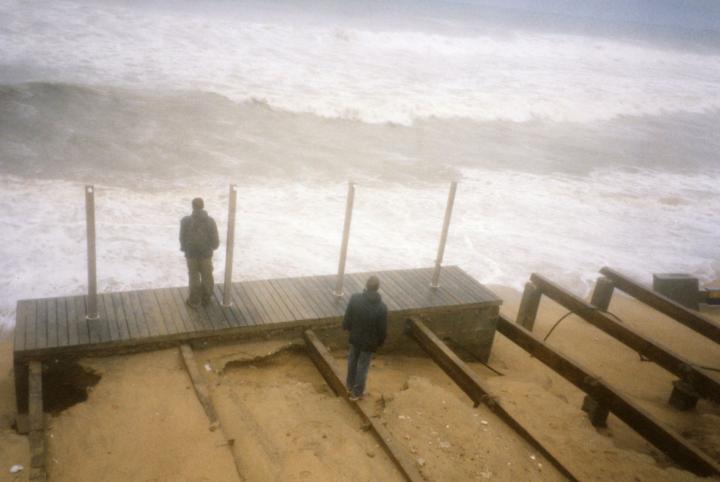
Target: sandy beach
point(143, 422)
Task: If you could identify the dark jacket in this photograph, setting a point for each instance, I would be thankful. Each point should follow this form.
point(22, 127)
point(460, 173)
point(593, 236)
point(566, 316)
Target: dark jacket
point(198, 235)
point(366, 320)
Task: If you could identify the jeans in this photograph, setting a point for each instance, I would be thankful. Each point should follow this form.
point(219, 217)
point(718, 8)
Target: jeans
point(358, 366)
point(200, 276)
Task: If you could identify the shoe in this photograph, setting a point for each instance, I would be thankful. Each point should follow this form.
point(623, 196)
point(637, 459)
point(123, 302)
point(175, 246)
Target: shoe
point(194, 306)
point(206, 301)
point(355, 398)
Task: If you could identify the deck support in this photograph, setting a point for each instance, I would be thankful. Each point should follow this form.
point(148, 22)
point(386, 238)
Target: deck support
point(529, 305)
point(663, 356)
point(21, 373)
point(466, 378)
point(665, 439)
point(435, 283)
point(230, 246)
point(692, 319)
point(37, 423)
point(326, 366)
point(345, 240)
point(91, 310)
point(602, 294)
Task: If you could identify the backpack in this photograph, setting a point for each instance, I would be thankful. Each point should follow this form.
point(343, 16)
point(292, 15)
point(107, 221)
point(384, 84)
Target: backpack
point(198, 234)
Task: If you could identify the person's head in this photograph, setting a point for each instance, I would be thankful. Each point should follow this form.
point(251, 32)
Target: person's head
point(372, 283)
point(198, 204)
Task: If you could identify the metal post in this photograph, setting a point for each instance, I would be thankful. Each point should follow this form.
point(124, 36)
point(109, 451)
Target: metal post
point(230, 245)
point(346, 236)
point(91, 311)
point(443, 238)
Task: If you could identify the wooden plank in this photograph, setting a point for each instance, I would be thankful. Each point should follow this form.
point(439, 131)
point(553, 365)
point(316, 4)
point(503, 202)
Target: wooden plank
point(408, 299)
point(106, 306)
point(197, 316)
point(356, 284)
point(37, 422)
point(329, 370)
point(455, 287)
point(216, 315)
point(192, 319)
point(704, 384)
point(466, 378)
point(477, 294)
point(131, 317)
point(72, 323)
point(62, 323)
point(298, 309)
point(441, 296)
point(664, 438)
point(314, 297)
point(41, 320)
point(30, 315)
point(268, 302)
point(80, 320)
point(52, 327)
point(151, 314)
point(201, 389)
point(692, 319)
point(169, 309)
point(240, 300)
point(105, 323)
point(335, 305)
point(308, 308)
point(119, 316)
point(20, 326)
point(181, 309)
point(280, 299)
point(253, 304)
point(233, 315)
point(426, 297)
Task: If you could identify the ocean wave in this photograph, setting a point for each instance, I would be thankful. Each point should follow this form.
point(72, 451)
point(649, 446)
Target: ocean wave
point(353, 73)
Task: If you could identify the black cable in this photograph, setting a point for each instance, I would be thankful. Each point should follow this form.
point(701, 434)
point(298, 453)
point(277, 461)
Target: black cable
point(556, 324)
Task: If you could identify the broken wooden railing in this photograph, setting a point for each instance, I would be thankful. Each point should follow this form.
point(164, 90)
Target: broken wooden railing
point(603, 399)
point(693, 383)
point(692, 319)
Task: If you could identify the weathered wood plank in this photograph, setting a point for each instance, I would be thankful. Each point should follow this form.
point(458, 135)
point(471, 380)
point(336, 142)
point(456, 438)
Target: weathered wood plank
point(101, 325)
point(216, 315)
point(30, 315)
point(151, 314)
point(296, 308)
point(251, 301)
point(240, 300)
point(119, 316)
point(52, 327)
point(191, 319)
point(232, 314)
point(169, 310)
point(440, 296)
point(80, 320)
point(37, 422)
point(197, 316)
point(265, 297)
point(280, 302)
point(106, 307)
point(131, 317)
point(328, 369)
point(307, 307)
point(336, 306)
point(62, 324)
point(41, 321)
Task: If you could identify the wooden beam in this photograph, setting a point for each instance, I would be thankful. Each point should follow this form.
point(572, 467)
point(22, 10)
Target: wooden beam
point(665, 439)
point(705, 385)
point(37, 423)
point(472, 385)
point(602, 294)
point(201, 390)
point(692, 319)
point(332, 375)
point(529, 304)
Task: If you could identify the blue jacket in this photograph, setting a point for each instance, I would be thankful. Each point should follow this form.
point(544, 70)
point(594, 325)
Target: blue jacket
point(366, 320)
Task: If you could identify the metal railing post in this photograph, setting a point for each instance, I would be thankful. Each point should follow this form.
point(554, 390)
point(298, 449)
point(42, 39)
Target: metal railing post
point(91, 311)
point(435, 283)
point(230, 245)
point(346, 236)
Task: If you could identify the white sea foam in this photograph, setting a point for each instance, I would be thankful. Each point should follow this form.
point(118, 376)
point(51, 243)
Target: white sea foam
point(333, 71)
point(505, 226)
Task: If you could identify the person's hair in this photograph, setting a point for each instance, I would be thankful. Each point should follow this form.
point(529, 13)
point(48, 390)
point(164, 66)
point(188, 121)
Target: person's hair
point(198, 203)
point(372, 283)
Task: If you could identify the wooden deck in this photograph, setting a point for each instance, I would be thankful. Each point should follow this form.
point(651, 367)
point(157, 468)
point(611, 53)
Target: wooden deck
point(54, 326)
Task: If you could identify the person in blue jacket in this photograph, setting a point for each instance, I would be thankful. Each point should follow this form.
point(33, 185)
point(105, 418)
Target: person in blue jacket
point(366, 320)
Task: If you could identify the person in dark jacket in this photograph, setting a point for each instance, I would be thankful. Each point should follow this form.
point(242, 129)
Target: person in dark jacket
point(198, 240)
point(366, 320)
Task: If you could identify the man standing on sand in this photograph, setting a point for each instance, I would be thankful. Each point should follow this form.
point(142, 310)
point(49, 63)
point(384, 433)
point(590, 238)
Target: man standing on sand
point(198, 240)
point(366, 320)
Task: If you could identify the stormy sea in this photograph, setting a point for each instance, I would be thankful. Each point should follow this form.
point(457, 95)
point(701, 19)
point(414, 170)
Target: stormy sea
point(580, 136)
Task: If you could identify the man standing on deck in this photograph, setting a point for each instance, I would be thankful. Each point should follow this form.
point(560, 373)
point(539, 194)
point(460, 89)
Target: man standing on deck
point(366, 320)
point(198, 240)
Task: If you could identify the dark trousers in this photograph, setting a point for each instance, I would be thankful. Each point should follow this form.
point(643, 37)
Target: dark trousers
point(200, 279)
point(358, 366)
